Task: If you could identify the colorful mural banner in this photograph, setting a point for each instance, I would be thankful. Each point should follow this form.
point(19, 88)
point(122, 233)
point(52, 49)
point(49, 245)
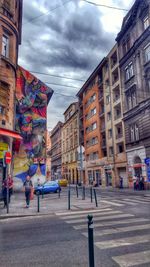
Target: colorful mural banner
point(32, 98)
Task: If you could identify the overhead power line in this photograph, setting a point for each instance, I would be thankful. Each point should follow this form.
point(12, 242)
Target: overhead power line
point(46, 13)
point(64, 85)
point(57, 76)
point(107, 6)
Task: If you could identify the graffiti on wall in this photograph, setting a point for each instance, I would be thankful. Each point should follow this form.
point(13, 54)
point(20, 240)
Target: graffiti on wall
point(32, 98)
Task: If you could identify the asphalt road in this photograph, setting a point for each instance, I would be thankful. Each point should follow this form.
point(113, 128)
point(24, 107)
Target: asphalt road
point(121, 235)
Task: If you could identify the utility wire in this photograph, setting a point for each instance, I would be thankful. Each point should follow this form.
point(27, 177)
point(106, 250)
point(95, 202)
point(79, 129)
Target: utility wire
point(107, 6)
point(57, 76)
point(46, 13)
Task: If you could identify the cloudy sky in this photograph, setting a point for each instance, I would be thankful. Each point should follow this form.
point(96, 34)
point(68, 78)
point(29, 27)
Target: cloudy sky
point(67, 39)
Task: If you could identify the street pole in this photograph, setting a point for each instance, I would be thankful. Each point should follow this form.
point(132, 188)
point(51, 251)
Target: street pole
point(69, 197)
point(38, 201)
point(77, 190)
point(95, 196)
point(90, 241)
point(7, 197)
point(91, 193)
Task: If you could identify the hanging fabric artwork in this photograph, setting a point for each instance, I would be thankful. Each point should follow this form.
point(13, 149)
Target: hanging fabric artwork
point(32, 98)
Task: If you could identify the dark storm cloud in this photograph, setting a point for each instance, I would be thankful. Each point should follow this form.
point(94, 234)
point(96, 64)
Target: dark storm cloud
point(69, 40)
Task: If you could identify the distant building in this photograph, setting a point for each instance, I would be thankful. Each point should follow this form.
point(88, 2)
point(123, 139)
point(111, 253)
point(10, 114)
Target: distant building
point(10, 39)
point(70, 143)
point(115, 136)
point(92, 126)
point(48, 155)
point(56, 155)
point(134, 60)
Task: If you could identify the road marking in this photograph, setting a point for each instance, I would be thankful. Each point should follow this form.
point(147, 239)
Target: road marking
point(122, 201)
point(112, 203)
point(113, 223)
point(79, 212)
point(127, 241)
point(98, 218)
point(132, 259)
point(117, 215)
point(119, 230)
point(138, 201)
point(83, 215)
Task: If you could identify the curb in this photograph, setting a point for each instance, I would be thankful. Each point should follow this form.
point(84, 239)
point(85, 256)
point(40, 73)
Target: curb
point(13, 216)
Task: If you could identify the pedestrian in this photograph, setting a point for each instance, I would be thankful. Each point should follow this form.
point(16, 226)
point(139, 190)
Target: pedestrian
point(121, 181)
point(7, 186)
point(28, 188)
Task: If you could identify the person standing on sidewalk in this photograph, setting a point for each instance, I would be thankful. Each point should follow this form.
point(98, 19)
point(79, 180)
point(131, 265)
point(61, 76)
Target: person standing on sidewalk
point(28, 188)
point(7, 183)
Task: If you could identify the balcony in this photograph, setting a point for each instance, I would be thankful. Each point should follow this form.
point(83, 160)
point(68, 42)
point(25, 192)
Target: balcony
point(119, 135)
point(102, 129)
point(117, 116)
point(101, 96)
point(102, 112)
point(103, 144)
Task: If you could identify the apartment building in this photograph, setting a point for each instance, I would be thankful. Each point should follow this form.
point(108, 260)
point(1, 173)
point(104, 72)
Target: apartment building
point(48, 155)
point(10, 39)
point(116, 156)
point(134, 61)
point(92, 126)
point(56, 156)
point(70, 143)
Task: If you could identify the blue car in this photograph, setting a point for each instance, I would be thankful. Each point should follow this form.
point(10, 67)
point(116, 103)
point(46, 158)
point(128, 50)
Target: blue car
point(48, 187)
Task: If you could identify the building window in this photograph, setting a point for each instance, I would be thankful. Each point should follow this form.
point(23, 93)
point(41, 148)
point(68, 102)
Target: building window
point(134, 132)
point(93, 111)
point(146, 22)
point(5, 46)
point(136, 129)
point(94, 126)
point(107, 99)
point(108, 116)
point(131, 98)
point(120, 148)
point(110, 151)
point(2, 110)
point(126, 45)
point(110, 133)
point(129, 71)
point(147, 52)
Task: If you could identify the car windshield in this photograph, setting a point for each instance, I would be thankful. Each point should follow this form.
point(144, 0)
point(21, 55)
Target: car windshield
point(50, 183)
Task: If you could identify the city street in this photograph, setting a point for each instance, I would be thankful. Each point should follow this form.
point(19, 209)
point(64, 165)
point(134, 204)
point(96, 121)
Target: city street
point(121, 232)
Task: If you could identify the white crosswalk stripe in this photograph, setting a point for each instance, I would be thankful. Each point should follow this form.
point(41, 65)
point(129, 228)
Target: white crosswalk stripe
point(116, 215)
point(114, 229)
point(123, 241)
point(132, 259)
point(81, 217)
point(119, 230)
point(110, 223)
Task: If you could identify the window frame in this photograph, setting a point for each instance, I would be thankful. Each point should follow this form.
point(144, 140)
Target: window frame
point(5, 45)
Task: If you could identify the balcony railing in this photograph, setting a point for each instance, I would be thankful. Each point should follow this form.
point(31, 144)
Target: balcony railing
point(103, 143)
point(119, 135)
point(102, 112)
point(117, 116)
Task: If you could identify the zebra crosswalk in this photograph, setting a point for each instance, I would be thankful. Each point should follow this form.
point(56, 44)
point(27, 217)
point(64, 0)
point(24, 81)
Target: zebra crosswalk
point(120, 202)
point(114, 232)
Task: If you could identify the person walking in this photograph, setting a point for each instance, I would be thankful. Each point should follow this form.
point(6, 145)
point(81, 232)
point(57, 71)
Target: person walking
point(28, 188)
point(121, 182)
point(7, 183)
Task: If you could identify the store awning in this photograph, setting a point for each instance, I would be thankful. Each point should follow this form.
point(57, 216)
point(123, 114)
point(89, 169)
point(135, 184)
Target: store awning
point(9, 133)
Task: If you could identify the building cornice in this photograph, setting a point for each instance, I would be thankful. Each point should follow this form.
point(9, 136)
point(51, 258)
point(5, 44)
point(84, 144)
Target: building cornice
point(138, 109)
point(135, 46)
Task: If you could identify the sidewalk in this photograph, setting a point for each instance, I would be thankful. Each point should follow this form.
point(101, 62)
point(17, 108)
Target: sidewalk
point(144, 193)
point(49, 205)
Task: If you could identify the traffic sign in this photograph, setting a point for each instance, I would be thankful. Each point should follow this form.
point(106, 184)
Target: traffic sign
point(8, 157)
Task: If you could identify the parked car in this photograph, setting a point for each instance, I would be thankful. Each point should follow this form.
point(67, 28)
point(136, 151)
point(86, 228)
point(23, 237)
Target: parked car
point(48, 187)
point(62, 182)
